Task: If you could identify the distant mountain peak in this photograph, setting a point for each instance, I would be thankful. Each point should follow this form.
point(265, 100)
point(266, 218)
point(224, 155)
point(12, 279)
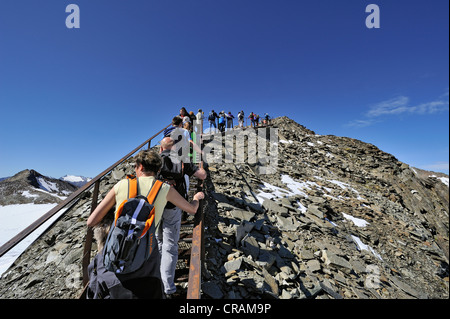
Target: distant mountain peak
point(75, 180)
point(30, 186)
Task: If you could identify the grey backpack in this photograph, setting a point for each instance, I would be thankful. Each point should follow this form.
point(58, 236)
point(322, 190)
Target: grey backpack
point(131, 239)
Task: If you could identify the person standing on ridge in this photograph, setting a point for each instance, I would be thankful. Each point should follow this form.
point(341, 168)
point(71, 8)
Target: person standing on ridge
point(252, 119)
point(230, 118)
point(212, 120)
point(241, 119)
point(200, 117)
point(222, 121)
point(266, 118)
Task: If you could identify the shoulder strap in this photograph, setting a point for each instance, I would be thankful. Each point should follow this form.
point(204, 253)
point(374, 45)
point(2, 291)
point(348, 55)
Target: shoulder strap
point(132, 187)
point(132, 192)
point(154, 191)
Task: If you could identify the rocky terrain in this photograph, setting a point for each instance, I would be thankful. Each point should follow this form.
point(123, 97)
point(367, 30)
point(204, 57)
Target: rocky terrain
point(51, 267)
point(29, 186)
point(338, 218)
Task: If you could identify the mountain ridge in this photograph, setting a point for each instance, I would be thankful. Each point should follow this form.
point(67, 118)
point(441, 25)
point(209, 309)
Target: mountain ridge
point(338, 213)
point(339, 218)
point(29, 186)
point(75, 180)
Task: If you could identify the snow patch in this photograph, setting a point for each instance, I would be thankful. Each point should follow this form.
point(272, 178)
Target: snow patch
point(270, 191)
point(14, 219)
point(444, 180)
point(357, 221)
point(29, 195)
point(362, 246)
point(47, 186)
point(297, 187)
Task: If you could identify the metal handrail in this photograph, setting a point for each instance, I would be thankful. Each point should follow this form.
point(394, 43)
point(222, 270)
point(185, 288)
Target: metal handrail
point(197, 250)
point(197, 256)
point(75, 195)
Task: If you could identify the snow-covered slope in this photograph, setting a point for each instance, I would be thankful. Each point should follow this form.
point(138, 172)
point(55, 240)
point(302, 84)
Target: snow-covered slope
point(24, 198)
point(75, 180)
point(14, 219)
point(29, 186)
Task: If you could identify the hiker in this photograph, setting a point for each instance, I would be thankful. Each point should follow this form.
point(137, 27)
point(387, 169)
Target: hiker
point(241, 119)
point(252, 119)
point(212, 120)
point(182, 138)
point(222, 121)
point(230, 118)
point(146, 281)
point(175, 122)
point(192, 117)
point(266, 118)
point(257, 119)
point(187, 123)
point(200, 117)
point(183, 112)
point(168, 233)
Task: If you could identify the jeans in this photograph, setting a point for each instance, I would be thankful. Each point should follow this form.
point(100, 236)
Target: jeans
point(212, 123)
point(167, 236)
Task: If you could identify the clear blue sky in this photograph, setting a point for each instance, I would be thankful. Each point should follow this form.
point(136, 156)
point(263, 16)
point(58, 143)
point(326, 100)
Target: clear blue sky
point(73, 101)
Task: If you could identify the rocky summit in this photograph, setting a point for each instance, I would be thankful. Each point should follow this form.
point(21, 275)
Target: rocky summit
point(29, 186)
point(336, 218)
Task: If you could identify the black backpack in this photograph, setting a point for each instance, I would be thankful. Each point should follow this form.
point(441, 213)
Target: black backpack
point(173, 174)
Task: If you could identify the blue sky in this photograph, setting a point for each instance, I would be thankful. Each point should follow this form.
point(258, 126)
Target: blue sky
point(73, 101)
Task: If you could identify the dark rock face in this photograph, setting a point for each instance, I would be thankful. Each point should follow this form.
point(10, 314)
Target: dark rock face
point(338, 219)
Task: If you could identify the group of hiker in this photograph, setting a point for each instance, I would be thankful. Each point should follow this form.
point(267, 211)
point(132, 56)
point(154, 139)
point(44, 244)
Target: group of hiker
point(221, 121)
point(226, 120)
point(138, 248)
point(137, 224)
point(189, 118)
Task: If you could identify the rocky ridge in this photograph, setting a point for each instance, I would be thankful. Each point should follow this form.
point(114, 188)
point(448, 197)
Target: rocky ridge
point(29, 186)
point(51, 267)
point(338, 219)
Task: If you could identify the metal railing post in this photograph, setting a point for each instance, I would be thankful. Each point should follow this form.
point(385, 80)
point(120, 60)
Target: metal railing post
point(89, 236)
